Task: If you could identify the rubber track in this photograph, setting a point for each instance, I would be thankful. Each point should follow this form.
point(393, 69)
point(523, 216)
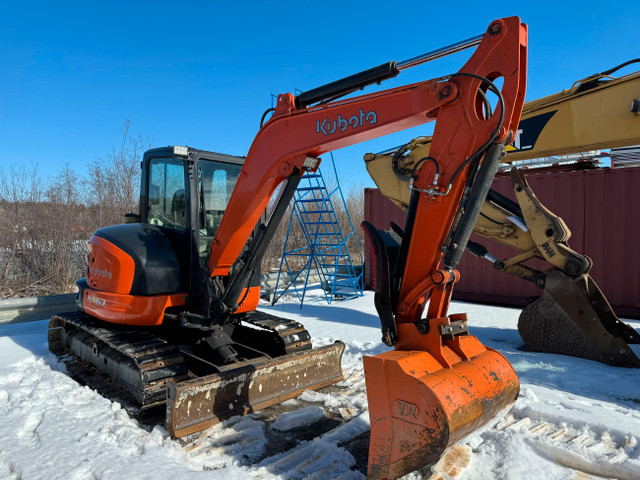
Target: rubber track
point(293, 334)
point(155, 359)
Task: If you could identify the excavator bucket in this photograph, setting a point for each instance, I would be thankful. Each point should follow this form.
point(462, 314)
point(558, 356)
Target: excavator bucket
point(196, 404)
point(429, 393)
point(573, 317)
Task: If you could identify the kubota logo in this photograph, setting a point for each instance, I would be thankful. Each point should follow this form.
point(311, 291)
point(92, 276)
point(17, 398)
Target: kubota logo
point(329, 127)
point(103, 273)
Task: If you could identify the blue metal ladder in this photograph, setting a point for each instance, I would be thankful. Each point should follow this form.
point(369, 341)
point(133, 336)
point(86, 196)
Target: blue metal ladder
point(326, 249)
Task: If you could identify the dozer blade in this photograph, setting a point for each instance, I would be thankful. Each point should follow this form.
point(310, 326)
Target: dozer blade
point(428, 394)
point(573, 317)
point(194, 405)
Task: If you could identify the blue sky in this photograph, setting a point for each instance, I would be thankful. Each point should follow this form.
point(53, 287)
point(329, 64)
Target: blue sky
point(202, 73)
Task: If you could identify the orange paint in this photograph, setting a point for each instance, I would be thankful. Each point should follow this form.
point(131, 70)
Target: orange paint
point(418, 408)
point(250, 303)
point(143, 311)
point(110, 269)
point(435, 388)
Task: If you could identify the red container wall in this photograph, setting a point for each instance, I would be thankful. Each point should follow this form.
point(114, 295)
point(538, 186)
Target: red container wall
point(601, 207)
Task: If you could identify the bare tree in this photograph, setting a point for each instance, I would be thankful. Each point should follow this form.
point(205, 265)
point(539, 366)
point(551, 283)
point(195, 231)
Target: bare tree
point(65, 245)
point(113, 181)
point(353, 216)
point(25, 248)
point(45, 222)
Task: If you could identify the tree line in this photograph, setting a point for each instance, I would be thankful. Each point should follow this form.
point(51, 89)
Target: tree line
point(46, 221)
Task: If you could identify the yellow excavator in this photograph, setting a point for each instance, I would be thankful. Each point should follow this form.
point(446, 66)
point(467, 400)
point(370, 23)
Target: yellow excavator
point(572, 316)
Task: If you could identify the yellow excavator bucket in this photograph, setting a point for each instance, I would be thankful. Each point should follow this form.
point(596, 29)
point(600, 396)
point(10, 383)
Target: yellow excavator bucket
point(573, 317)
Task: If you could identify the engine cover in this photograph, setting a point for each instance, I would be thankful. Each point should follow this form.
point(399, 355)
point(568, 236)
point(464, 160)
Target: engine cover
point(134, 259)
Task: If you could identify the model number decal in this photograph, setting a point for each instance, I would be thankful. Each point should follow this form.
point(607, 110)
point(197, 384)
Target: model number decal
point(329, 127)
point(96, 301)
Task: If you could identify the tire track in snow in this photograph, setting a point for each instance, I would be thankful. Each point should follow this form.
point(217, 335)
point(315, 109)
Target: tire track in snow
point(330, 454)
point(588, 454)
point(317, 449)
point(581, 449)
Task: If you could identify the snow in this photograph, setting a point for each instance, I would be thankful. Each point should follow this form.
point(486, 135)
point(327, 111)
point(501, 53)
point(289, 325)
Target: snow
point(574, 418)
point(298, 418)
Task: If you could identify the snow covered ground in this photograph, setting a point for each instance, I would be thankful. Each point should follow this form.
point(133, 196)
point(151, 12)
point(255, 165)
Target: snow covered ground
point(574, 418)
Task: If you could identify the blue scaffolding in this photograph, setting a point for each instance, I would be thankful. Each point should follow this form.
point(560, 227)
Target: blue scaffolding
point(325, 259)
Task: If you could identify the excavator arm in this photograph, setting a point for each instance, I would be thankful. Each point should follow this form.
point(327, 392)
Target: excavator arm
point(417, 405)
point(597, 112)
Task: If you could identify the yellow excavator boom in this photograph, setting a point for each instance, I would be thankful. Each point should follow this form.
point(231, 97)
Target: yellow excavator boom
point(597, 112)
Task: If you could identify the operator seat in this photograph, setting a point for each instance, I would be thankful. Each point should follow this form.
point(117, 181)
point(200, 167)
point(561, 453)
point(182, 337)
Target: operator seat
point(178, 208)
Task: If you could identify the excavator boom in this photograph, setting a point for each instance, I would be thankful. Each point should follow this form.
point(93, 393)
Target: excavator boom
point(600, 111)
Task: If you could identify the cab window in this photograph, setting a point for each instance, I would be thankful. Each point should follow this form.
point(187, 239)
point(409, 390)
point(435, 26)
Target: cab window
point(216, 181)
point(167, 205)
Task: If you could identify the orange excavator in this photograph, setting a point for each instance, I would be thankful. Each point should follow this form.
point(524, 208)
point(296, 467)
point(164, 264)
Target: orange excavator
point(168, 304)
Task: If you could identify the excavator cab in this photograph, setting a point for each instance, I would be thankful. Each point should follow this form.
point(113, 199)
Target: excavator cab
point(174, 179)
point(183, 196)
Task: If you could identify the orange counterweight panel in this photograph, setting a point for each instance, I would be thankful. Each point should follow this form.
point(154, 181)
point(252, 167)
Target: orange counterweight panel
point(110, 269)
point(143, 311)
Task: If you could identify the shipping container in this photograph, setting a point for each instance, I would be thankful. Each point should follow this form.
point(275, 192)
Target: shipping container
point(600, 206)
